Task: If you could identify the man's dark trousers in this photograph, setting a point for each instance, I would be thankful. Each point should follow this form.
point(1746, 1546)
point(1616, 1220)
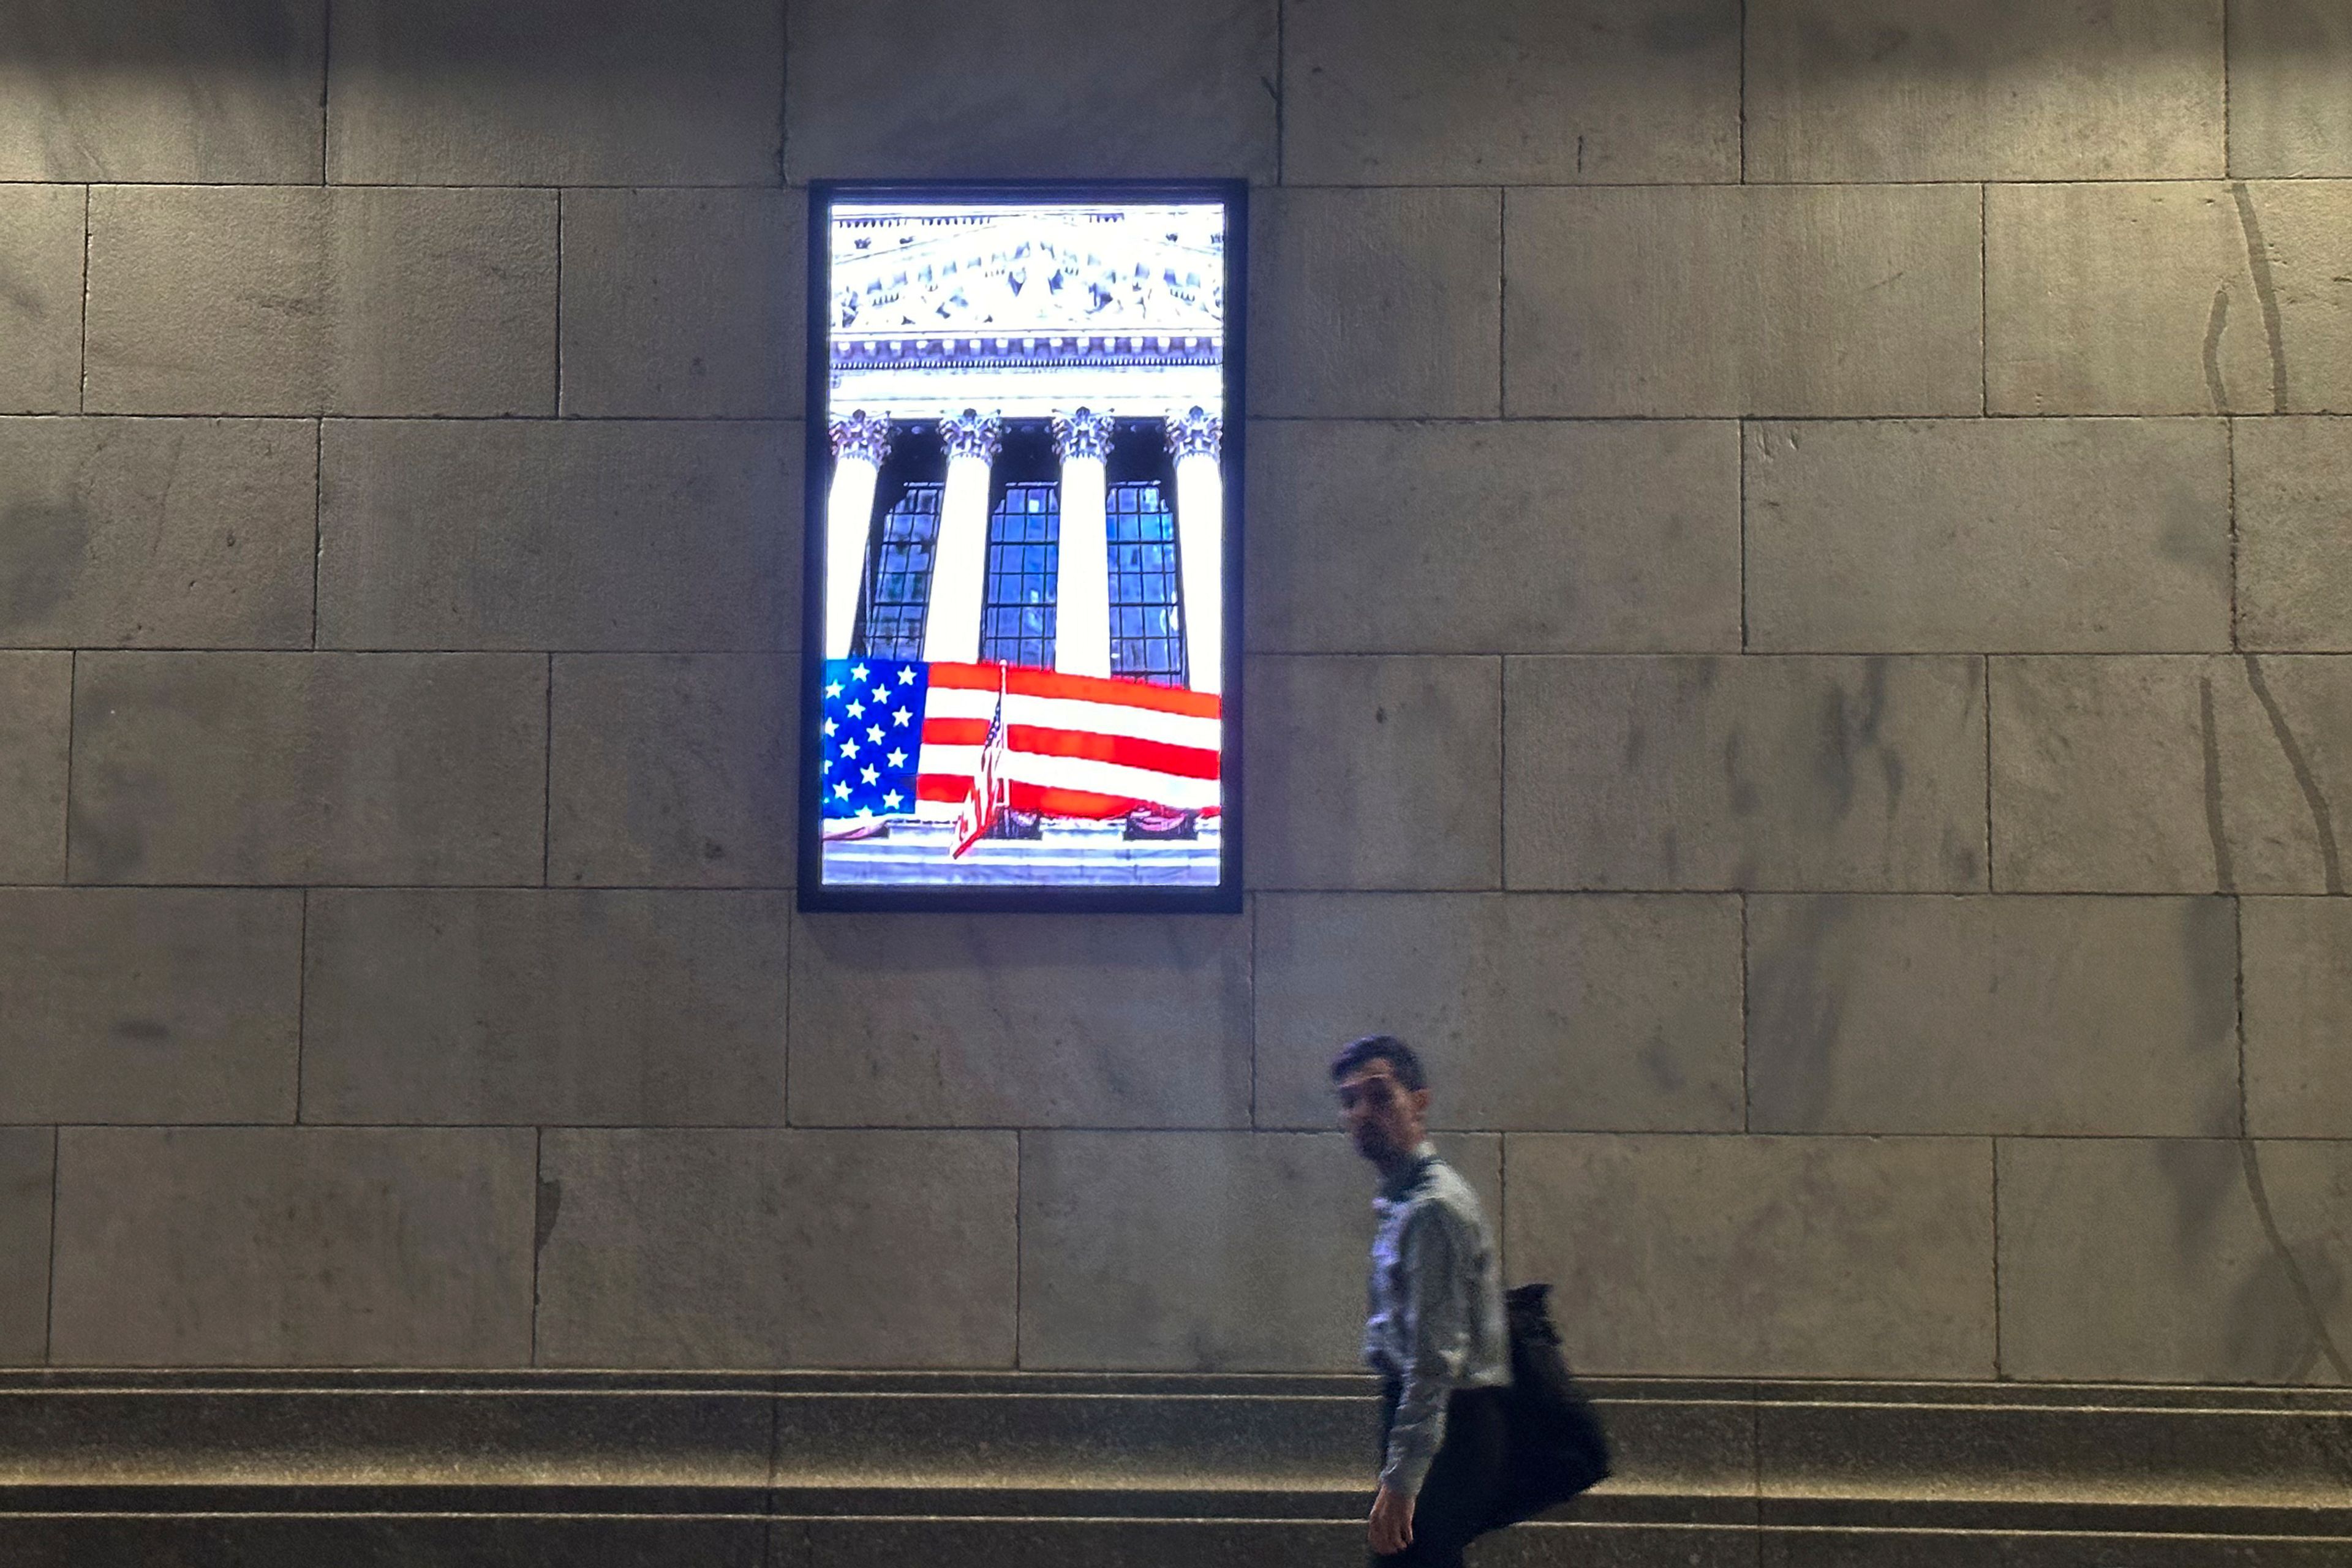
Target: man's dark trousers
point(1463, 1483)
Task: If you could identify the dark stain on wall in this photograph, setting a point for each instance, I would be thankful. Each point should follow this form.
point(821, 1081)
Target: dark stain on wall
point(46, 548)
point(547, 1209)
point(1796, 1013)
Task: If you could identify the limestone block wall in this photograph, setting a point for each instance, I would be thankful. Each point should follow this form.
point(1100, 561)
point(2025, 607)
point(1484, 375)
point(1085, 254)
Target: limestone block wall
point(1799, 563)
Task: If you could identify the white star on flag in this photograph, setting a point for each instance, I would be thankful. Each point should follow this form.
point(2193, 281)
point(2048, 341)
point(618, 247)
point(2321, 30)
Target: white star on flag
point(841, 790)
point(901, 717)
point(855, 731)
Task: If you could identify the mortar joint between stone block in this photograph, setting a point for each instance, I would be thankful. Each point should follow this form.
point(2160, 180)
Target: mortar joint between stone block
point(1984, 300)
point(783, 95)
point(2229, 134)
point(1994, 1145)
point(1502, 302)
point(1281, 85)
point(1742, 21)
point(556, 393)
point(81, 384)
point(317, 516)
point(326, 67)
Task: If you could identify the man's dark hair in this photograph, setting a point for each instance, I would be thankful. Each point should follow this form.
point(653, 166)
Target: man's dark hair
point(1399, 1057)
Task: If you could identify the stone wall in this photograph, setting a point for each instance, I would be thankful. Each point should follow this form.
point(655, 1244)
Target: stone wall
point(1795, 551)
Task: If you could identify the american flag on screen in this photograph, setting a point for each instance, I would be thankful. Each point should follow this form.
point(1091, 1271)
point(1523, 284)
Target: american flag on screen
point(986, 797)
point(904, 738)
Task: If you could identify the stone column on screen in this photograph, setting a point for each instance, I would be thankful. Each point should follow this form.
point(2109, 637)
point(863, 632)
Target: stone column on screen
point(1082, 575)
point(1194, 438)
point(960, 562)
point(860, 443)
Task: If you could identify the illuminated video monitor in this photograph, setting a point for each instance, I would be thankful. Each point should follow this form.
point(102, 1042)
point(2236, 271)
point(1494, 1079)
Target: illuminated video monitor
point(1021, 681)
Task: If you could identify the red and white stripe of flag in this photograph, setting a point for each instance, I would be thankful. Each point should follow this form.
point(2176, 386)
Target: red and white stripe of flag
point(1071, 745)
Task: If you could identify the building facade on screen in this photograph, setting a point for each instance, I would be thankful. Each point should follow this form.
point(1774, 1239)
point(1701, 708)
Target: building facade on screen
point(1023, 618)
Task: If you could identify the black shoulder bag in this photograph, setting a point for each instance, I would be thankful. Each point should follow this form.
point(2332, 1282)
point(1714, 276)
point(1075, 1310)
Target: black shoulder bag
point(1555, 1447)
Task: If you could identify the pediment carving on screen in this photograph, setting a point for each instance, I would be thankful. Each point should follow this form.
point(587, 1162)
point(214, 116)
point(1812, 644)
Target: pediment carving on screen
point(1031, 272)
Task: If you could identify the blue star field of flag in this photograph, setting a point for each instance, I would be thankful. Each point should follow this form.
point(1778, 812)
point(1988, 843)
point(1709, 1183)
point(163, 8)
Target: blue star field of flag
point(873, 731)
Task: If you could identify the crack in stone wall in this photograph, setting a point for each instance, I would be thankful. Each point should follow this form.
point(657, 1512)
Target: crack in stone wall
point(2321, 819)
point(2216, 323)
point(2258, 262)
point(2323, 1342)
point(2216, 828)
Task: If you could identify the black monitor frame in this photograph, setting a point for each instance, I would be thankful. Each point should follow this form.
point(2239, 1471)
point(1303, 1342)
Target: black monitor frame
point(1223, 896)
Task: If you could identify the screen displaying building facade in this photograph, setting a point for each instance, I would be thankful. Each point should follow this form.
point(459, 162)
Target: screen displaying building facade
point(1020, 544)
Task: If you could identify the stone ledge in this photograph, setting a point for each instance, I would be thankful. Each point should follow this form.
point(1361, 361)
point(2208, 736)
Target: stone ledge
point(1978, 1463)
point(269, 1541)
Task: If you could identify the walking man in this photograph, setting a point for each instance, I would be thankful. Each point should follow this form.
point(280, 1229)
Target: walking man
point(1435, 1328)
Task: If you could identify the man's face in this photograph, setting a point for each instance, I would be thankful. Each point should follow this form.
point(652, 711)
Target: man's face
point(1385, 1118)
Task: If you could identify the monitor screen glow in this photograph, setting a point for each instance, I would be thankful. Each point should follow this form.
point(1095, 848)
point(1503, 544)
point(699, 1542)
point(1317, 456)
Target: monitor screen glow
point(1023, 527)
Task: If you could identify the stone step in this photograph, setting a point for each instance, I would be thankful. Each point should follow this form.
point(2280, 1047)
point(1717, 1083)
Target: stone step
point(826, 1469)
point(266, 1540)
